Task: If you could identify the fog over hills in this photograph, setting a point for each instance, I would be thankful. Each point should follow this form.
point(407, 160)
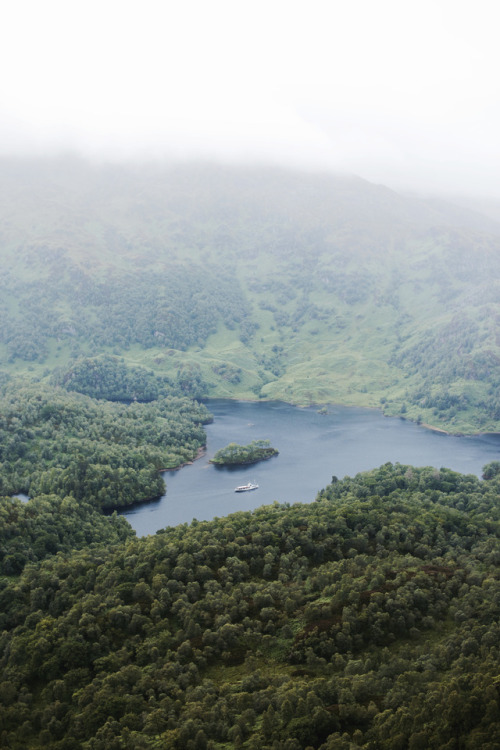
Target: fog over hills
point(400, 95)
point(306, 287)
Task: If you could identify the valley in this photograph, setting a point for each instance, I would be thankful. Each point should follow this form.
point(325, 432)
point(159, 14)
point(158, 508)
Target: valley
point(260, 284)
point(358, 608)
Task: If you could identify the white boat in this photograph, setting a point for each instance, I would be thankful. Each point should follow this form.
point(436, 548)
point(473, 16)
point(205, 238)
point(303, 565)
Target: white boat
point(246, 487)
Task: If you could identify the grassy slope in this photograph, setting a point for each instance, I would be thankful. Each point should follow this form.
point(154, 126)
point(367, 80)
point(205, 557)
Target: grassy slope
point(361, 296)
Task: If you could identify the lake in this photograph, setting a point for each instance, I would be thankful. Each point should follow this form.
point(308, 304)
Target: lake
point(312, 448)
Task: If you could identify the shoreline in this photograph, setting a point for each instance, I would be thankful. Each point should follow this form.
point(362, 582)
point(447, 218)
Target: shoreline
point(199, 454)
point(440, 429)
point(425, 425)
point(243, 463)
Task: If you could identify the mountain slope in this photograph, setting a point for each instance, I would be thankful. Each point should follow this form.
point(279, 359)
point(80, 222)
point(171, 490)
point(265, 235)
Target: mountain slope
point(267, 283)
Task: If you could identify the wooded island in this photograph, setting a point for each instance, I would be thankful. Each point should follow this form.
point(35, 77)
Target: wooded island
point(234, 454)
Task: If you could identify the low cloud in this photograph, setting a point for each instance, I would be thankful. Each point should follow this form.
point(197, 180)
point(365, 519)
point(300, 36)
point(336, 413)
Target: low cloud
point(397, 94)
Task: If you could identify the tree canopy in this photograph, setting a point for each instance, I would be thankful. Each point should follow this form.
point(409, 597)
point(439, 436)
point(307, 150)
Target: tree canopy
point(108, 454)
point(367, 619)
point(234, 454)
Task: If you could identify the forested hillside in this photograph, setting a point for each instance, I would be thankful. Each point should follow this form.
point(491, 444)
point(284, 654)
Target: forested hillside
point(368, 619)
point(254, 283)
point(365, 620)
point(106, 453)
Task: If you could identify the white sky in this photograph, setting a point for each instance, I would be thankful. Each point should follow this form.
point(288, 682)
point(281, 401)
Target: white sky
point(404, 92)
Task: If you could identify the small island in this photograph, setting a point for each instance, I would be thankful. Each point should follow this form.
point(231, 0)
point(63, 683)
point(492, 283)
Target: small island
point(234, 454)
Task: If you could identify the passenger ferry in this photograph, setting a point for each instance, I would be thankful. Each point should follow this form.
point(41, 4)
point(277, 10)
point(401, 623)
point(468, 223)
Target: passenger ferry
point(246, 487)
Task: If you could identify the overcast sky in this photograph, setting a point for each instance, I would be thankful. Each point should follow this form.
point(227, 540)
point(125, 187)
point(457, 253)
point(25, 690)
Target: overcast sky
point(403, 92)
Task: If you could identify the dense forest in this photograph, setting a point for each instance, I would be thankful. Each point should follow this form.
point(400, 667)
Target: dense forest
point(102, 452)
point(368, 619)
point(111, 379)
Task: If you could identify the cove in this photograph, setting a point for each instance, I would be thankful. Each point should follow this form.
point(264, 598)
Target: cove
point(312, 448)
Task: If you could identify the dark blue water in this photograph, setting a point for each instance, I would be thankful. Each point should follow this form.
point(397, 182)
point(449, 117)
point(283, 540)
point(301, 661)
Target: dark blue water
point(312, 447)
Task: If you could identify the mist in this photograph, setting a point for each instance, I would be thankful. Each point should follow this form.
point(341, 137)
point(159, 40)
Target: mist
point(398, 94)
